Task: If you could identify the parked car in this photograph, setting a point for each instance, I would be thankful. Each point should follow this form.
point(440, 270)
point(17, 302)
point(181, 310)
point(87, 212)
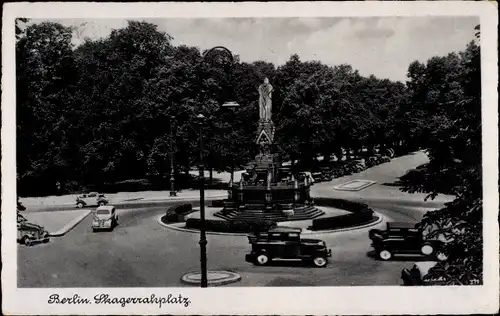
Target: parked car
point(91, 199)
point(29, 233)
point(309, 177)
point(285, 243)
point(405, 238)
point(105, 217)
point(337, 172)
point(386, 159)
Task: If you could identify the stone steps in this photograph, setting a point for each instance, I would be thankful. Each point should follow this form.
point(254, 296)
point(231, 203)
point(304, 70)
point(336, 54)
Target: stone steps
point(252, 215)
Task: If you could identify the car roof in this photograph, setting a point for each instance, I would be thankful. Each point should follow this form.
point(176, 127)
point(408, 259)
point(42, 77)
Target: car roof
point(284, 229)
point(401, 225)
point(105, 207)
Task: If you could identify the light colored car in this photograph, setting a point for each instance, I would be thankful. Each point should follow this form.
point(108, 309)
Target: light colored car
point(105, 217)
point(91, 199)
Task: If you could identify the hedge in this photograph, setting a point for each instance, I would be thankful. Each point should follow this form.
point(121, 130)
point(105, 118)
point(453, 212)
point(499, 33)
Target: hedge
point(343, 221)
point(181, 209)
point(176, 213)
point(131, 185)
point(342, 204)
point(229, 227)
point(218, 203)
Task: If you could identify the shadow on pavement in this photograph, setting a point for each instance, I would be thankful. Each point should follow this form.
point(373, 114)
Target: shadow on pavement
point(398, 258)
point(288, 264)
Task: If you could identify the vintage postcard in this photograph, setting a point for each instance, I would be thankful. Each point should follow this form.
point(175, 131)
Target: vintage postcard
point(251, 158)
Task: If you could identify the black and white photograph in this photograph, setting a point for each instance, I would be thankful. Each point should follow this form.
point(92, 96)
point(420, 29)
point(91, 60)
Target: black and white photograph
point(291, 158)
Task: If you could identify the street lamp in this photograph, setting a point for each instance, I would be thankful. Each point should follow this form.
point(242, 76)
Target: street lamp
point(201, 119)
point(172, 177)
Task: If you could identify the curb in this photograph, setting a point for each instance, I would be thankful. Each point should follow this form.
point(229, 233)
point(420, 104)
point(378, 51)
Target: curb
point(173, 199)
point(131, 205)
point(194, 278)
point(304, 232)
point(72, 224)
point(367, 183)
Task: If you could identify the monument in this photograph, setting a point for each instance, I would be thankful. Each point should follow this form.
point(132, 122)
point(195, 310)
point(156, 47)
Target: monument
point(268, 190)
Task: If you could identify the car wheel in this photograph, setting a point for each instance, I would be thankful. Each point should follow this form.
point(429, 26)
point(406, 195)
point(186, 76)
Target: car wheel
point(24, 240)
point(79, 205)
point(320, 262)
point(385, 255)
point(27, 242)
point(101, 203)
point(441, 256)
point(262, 259)
point(427, 249)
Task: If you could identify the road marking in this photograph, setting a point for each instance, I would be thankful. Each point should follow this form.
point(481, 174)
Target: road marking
point(354, 185)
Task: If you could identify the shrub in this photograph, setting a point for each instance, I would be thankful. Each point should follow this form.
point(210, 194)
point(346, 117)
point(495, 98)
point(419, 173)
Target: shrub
point(182, 209)
point(342, 204)
point(132, 185)
point(176, 213)
point(218, 203)
point(171, 218)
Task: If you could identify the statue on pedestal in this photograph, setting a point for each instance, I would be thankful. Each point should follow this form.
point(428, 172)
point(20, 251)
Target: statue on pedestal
point(265, 101)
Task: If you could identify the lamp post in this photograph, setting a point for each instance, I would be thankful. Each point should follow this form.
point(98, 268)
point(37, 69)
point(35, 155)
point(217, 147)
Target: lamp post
point(201, 119)
point(172, 176)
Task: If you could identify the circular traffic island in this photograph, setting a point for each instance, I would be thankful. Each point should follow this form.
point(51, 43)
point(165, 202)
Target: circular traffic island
point(214, 278)
point(332, 215)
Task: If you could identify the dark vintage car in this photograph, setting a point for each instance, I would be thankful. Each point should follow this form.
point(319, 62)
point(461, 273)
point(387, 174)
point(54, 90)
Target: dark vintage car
point(405, 238)
point(286, 244)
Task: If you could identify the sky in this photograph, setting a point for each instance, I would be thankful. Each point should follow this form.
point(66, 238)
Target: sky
point(383, 46)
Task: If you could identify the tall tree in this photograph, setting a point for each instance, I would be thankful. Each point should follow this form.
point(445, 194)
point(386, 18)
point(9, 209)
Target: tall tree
point(454, 149)
point(46, 74)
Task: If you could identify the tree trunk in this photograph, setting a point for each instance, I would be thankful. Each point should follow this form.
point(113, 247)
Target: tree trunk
point(338, 153)
point(211, 177)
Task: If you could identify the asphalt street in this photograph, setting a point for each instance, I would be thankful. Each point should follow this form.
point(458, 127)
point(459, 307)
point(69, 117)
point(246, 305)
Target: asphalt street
point(141, 253)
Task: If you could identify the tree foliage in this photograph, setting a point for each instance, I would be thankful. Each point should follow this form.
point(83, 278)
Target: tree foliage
point(102, 111)
point(448, 92)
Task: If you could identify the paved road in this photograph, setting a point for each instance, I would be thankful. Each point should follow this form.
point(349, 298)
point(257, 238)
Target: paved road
point(141, 253)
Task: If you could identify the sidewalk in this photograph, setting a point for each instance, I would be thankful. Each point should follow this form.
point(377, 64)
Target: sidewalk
point(122, 198)
point(58, 223)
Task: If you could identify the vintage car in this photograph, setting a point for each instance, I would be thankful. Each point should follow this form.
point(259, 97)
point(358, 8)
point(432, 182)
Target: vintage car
point(91, 199)
point(29, 233)
point(104, 217)
point(318, 176)
point(405, 238)
point(286, 244)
